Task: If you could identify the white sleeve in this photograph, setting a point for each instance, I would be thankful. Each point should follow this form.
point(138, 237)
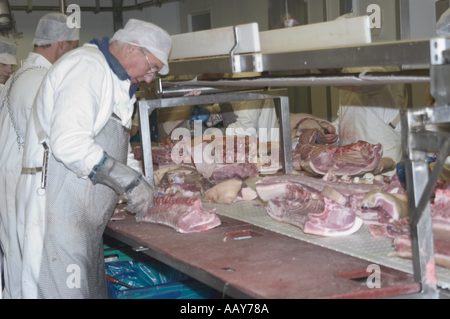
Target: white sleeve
point(247, 113)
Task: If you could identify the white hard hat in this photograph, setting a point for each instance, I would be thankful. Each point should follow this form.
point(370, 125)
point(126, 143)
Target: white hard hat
point(8, 51)
point(53, 28)
point(149, 36)
point(443, 25)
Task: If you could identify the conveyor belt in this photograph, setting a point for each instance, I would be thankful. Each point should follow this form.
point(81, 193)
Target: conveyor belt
point(361, 244)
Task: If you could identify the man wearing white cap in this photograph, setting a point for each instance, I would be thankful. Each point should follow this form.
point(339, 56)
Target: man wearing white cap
point(83, 117)
point(52, 40)
point(7, 58)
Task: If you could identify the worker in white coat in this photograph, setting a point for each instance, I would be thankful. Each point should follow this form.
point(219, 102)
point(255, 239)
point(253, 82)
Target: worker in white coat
point(372, 113)
point(7, 59)
point(82, 118)
point(52, 40)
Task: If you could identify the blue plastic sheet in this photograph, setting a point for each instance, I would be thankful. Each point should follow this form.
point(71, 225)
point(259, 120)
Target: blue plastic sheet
point(141, 274)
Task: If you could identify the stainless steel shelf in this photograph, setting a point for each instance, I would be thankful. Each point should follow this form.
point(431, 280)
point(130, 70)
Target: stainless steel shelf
point(376, 54)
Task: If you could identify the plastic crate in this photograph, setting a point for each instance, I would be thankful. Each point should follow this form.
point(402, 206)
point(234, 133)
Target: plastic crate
point(154, 280)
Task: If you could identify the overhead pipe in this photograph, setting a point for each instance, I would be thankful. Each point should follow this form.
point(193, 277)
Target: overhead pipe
point(95, 9)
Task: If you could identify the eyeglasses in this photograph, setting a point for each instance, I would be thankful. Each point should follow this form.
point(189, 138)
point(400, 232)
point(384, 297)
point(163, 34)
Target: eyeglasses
point(152, 70)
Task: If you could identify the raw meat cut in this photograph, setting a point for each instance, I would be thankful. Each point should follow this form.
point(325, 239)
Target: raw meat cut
point(331, 193)
point(352, 160)
point(400, 235)
point(214, 156)
point(272, 187)
point(311, 129)
point(441, 250)
point(313, 213)
point(440, 214)
point(392, 231)
point(228, 171)
point(394, 205)
point(179, 183)
point(347, 194)
point(185, 215)
point(161, 172)
point(246, 194)
point(224, 193)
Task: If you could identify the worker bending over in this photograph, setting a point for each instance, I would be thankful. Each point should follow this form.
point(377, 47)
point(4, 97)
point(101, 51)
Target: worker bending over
point(82, 118)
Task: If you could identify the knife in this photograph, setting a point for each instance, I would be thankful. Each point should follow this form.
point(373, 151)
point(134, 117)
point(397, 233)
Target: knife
point(116, 282)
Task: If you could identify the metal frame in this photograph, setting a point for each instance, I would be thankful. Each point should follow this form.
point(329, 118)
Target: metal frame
point(280, 99)
point(377, 54)
point(416, 142)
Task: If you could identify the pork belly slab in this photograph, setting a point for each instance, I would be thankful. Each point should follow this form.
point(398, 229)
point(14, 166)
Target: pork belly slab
point(352, 160)
point(272, 187)
point(399, 231)
point(314, 214)
point(184, 214)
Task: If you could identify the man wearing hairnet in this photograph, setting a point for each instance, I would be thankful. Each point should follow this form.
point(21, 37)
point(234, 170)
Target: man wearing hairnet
point(52, 40)
point(7, 58)
point(82, 117)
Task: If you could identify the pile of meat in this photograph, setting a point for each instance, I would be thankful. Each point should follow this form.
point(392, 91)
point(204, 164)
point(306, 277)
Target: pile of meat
point(315, 155)
point(399, 231)
point(216, 157)
point(325, 208)
point(183, 179)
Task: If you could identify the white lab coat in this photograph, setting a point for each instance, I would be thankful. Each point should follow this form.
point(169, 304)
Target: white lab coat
point(366, 111)
point(76, 100)
point(259, 115)
point(22, 96)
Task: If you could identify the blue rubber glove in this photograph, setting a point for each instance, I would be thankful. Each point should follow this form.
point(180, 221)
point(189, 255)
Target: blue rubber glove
point(200, 113)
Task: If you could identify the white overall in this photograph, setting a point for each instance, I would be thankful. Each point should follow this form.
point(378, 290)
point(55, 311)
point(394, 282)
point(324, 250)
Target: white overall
point(76, 213)
point(358, 123)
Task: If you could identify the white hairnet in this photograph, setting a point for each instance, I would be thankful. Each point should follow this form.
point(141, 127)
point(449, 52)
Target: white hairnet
point(149, 36)
point(53, 28)
point(7, 51)
point(443, 25)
